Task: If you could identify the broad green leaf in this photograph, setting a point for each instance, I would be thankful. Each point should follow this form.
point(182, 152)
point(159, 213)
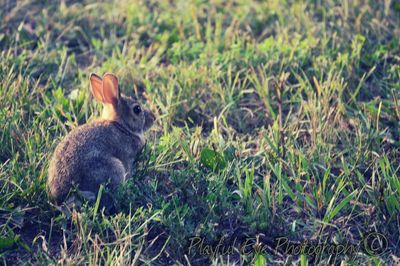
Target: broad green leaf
point(212, 159)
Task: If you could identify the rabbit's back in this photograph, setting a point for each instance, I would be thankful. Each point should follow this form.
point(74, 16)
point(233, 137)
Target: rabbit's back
point(88, 155)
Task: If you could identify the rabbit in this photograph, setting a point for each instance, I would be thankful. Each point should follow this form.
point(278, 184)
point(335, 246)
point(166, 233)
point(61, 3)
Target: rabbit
point(103, 150)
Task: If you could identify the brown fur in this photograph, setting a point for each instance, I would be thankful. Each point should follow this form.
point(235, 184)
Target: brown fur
point(103, 150)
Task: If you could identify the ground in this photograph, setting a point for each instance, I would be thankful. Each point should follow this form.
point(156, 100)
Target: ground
point(275, 119)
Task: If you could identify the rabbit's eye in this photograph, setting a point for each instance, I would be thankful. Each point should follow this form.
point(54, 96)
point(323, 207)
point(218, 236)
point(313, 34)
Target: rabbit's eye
point(137, 110)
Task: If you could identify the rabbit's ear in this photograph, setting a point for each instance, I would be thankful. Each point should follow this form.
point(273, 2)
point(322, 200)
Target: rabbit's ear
point(96, 87)
point(110, 89)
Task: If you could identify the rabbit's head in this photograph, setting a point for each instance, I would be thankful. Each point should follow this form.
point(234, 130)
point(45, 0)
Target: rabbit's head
point(118, 107)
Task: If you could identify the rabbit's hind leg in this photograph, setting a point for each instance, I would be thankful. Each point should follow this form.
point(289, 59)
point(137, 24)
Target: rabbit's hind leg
point(99, 170)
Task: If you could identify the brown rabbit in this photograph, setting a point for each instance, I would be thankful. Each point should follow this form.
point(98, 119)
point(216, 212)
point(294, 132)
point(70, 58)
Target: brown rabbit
point(103, 150)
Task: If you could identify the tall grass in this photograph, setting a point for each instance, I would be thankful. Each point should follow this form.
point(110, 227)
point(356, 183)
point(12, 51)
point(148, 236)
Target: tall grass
point(273, 118)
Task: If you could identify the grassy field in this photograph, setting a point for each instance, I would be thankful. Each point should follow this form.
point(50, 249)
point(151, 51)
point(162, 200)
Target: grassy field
point(274, 119)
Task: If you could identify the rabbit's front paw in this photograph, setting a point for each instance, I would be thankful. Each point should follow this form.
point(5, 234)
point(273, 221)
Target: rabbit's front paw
point(88, 195)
